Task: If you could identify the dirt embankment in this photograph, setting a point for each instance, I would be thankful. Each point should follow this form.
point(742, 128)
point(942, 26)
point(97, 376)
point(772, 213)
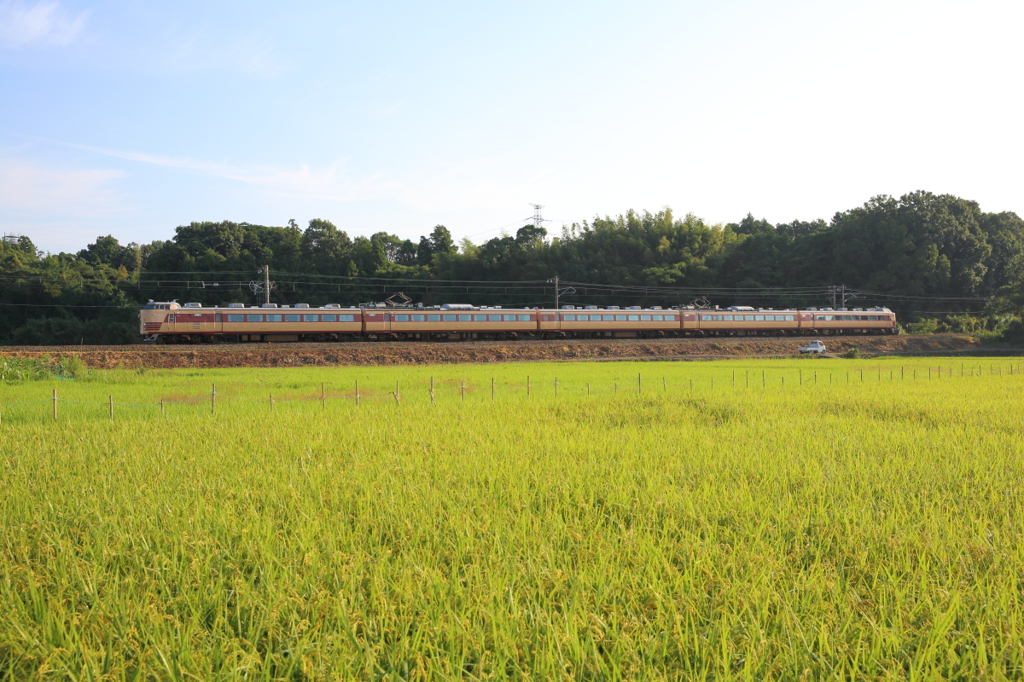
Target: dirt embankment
point(383, 353)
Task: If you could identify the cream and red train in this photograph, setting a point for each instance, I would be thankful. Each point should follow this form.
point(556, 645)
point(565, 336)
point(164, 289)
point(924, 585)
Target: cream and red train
point(193, 323)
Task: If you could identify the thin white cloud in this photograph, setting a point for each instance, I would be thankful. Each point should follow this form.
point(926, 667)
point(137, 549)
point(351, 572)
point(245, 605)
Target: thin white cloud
point(204, 50)
point(40, 23)
point(34, 189)
point(330, 183)
point(429, 190)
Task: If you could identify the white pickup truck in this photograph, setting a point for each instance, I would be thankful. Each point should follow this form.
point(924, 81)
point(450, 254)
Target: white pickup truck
point(813, 347)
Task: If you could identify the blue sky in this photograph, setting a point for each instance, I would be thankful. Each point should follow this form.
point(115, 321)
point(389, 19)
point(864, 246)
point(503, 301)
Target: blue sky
point(130, 118)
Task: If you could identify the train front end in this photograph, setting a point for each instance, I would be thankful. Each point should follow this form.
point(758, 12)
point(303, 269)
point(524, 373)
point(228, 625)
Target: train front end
point(152, 320)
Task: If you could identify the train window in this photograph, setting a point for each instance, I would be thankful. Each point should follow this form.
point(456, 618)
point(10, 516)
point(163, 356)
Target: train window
point(769, 318)
point(401, 318)
point(620, 318)
point(236, 318)
point(759, 318)
point(346, 318)
point(253, 318)
point(273, 318)
point(291, 318)
point(583, 318)
point(433, 318)
point(524, 318)
point(790, 318)
point(509, 318)
point(323, 318)
point(494, 318)
point(568, 318)
point(633, 318)
point(465, 318)
point(728, 318)
point(216, 318)
point(449, 318)
point(310, 318)
point(718, 318)
point(658, 318)
point(645, 318)
point(479, 318)
point(419, 318)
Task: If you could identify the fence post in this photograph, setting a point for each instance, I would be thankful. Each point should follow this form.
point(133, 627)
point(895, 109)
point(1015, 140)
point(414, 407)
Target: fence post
point(213, 398)
point(357, 392)
point(801, 377)
point(323, 396)
point(862, 375)
point(639, 388)
point(763, 384)
point(712, 383)
point(54, 404)
point(432, 391)
point(588, 389)
point(398, 391)
point(691, 385)
point(616, 388)
point(527, 385)
point(664, 384)
point(783, 382)
point(492, 389)
point(110, 400)
point(463, 391)
point(815, 377)
point(734, 378)
point(161, 407)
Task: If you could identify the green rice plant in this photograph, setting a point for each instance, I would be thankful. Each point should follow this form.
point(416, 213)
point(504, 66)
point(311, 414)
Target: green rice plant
point(724, 520)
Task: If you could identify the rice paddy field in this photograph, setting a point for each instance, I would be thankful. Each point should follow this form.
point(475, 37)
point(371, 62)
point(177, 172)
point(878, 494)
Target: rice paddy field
point(745, 520)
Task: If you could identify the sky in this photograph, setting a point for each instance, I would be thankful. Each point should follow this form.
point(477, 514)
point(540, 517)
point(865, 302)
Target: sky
point(130, 118)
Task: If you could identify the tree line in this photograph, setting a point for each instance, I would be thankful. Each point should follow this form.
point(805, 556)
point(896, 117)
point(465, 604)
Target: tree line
point(939, 261)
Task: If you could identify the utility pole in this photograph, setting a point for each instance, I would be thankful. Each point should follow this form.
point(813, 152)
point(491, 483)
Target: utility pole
point(840, 292)
point(556, 292)
point(266, 284)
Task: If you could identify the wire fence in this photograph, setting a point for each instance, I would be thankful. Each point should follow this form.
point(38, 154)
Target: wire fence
point(745, 379)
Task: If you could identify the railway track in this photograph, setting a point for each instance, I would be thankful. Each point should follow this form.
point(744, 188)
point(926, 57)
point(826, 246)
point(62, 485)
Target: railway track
point(417, 353)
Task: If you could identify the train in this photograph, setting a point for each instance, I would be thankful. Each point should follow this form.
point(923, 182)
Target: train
point(173, 322)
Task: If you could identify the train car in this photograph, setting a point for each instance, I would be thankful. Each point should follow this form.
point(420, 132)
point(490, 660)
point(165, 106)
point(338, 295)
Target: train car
point(855, 321)
point(459, 321)
point(610, 322)
point(747, 321)
point(195, 323)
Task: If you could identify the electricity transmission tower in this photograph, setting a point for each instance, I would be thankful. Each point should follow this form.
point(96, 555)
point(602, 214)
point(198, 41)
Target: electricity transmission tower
point(538, 219)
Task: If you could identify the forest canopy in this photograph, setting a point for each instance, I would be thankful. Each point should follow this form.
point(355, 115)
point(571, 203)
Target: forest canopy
point(926, 256)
